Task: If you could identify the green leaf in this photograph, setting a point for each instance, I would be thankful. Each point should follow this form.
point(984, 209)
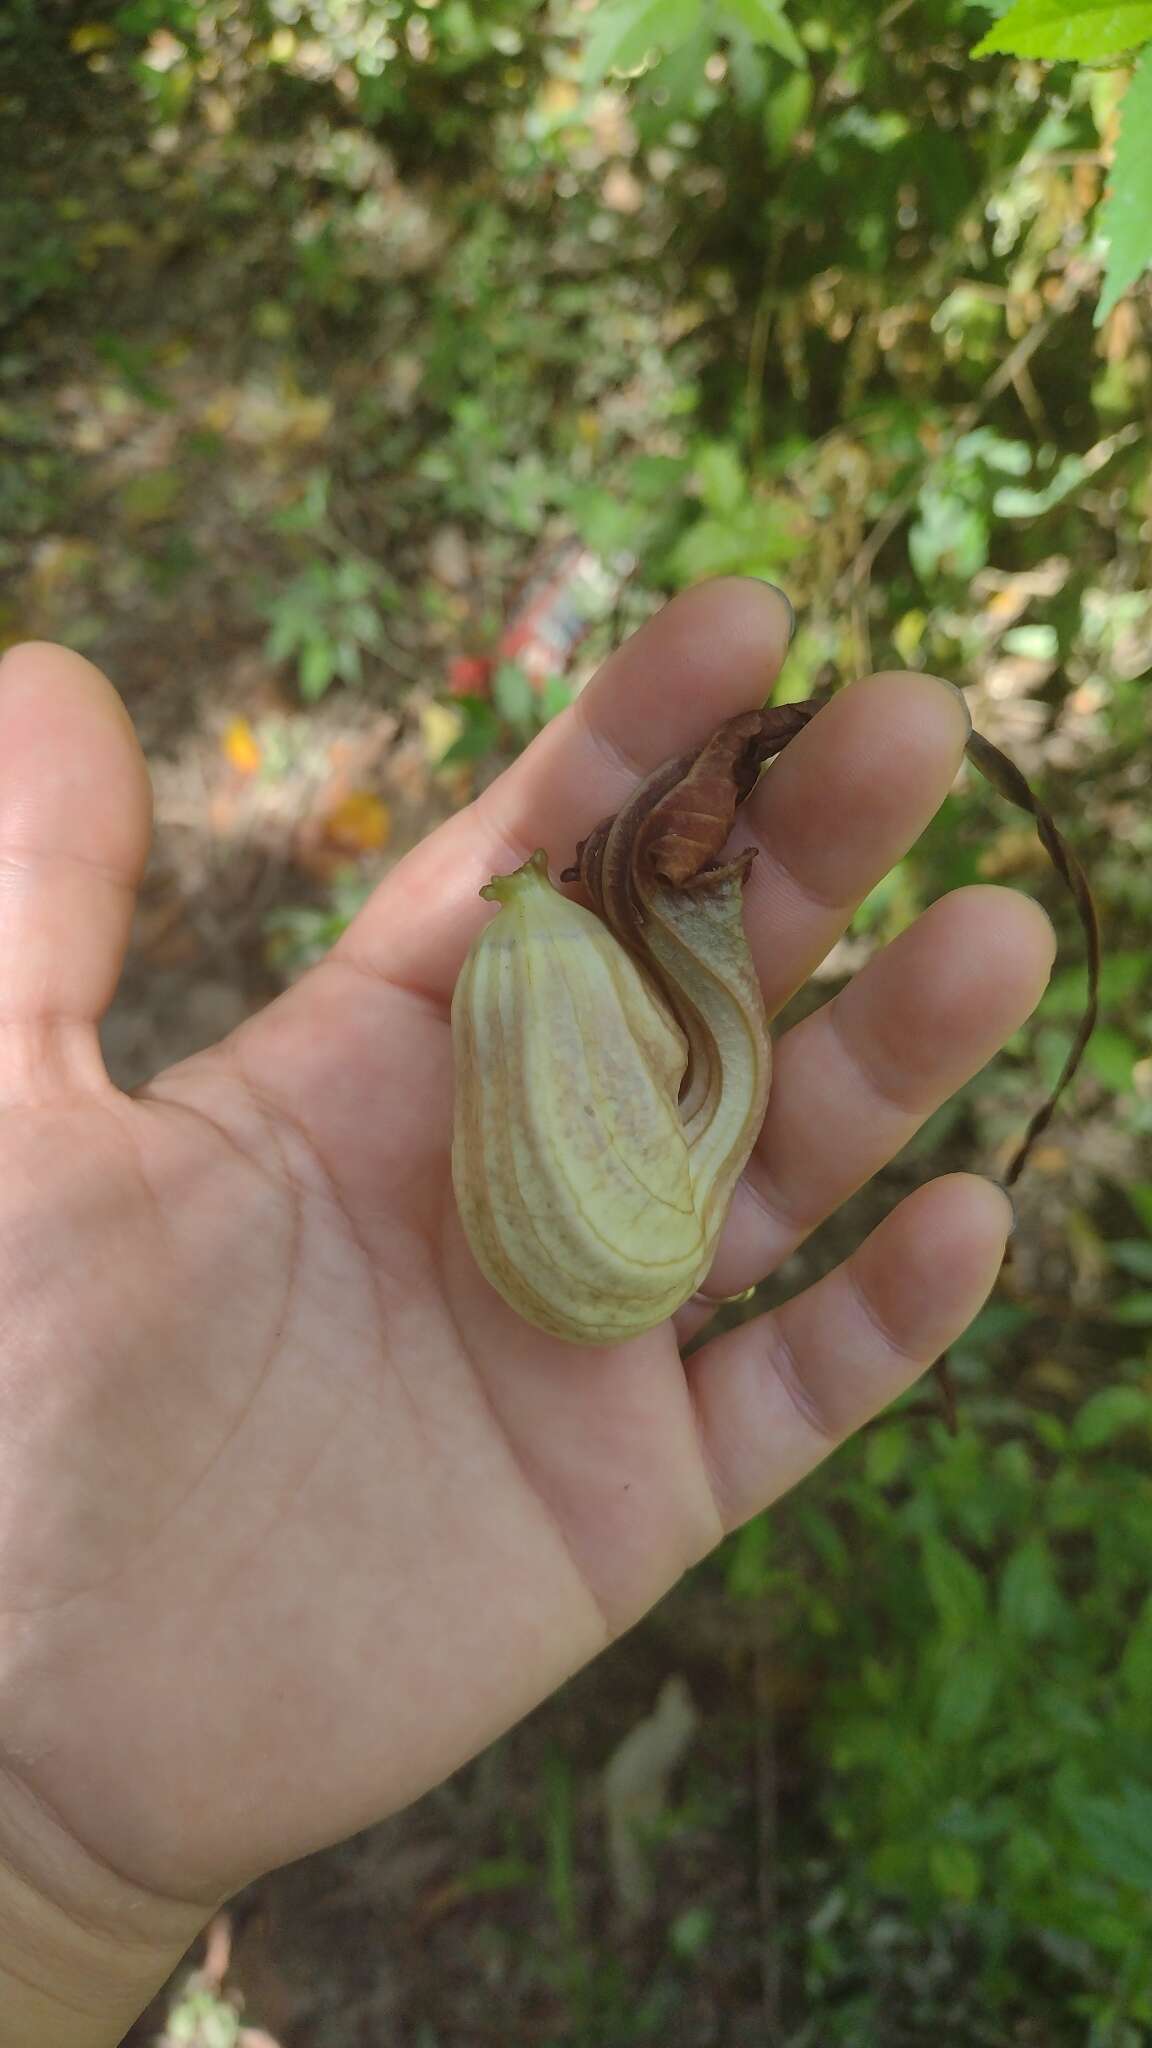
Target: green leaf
point(751, 1558)
point(765, 22)
point(1030, 1602)
point(691, 1931)
point(1118, 1834)
point(514, 697)
point(317, 668)
point(555, 696)
point(1135, 1309)
point(886, 1453)
point(1122, 975)
point(495, 1874)
point(349, 665)
point(1136, 1663)
point(1084, 30)
point(1109, 1413)
point(966, 1694)
point(955, 1870)
point(1132, 1255)
point(955, 1587)
point(1126, 217)
point(1111, 1054)
point(625, 33)
point(480, 736)
point(1014, 501)
point(720, 477)
point(785, 112)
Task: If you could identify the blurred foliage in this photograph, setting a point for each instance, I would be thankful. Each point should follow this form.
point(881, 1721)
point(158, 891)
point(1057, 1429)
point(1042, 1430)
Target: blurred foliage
point(321, 322)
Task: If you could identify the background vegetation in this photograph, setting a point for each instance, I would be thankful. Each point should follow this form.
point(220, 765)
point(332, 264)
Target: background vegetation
point(324, 325)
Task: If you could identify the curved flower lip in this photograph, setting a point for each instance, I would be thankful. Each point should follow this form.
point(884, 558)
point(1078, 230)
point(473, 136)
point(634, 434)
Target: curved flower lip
point(597, 1238)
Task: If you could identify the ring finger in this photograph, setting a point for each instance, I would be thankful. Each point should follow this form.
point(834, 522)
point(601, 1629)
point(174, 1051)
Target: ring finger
point(855, 1081)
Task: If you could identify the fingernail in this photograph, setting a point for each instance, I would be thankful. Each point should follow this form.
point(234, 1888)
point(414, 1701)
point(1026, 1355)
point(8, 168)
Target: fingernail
point(786, 601)
point(958, 692)
point(1012, 1210)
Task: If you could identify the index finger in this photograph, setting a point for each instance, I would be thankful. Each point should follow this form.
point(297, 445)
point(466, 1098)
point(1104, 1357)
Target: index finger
point(713, 651)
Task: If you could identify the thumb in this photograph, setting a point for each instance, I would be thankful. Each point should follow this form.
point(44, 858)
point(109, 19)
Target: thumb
point(75, 826)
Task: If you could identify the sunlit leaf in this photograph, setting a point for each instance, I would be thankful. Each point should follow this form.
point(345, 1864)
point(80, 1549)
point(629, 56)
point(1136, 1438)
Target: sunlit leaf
point(1085, 30)
point(1126, 219)
point(625, 32)
point(766, 22)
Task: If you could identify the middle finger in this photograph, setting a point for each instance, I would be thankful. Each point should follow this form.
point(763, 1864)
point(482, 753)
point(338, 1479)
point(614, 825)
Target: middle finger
point(843, 803)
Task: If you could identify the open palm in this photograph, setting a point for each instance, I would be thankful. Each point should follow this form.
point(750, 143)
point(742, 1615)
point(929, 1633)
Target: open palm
point(295, 1514)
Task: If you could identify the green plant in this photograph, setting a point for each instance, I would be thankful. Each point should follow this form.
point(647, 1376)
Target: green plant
point(983, 1707)
point(1094, 32)
point(325, 620)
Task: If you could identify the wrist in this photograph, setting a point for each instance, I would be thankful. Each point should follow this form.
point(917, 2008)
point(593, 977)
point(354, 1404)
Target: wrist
point(82, 1949)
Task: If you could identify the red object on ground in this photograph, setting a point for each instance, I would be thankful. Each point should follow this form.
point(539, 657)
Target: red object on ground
point(469, 675)
point(556, 609)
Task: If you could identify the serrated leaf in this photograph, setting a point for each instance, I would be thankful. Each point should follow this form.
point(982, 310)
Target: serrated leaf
point(1083, 30)
point(766, 23)
point(1126, 217)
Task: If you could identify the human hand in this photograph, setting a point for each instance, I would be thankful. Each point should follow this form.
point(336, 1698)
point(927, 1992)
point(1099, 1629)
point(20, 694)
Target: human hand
point(295, 1514)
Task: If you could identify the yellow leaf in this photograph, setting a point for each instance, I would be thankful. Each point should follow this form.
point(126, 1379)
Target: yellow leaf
point(91, 35)
point(360, 822)
point(908, 634)
point(112, 234)
point(241, 747)
point(558, 96)
point(440, 725)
